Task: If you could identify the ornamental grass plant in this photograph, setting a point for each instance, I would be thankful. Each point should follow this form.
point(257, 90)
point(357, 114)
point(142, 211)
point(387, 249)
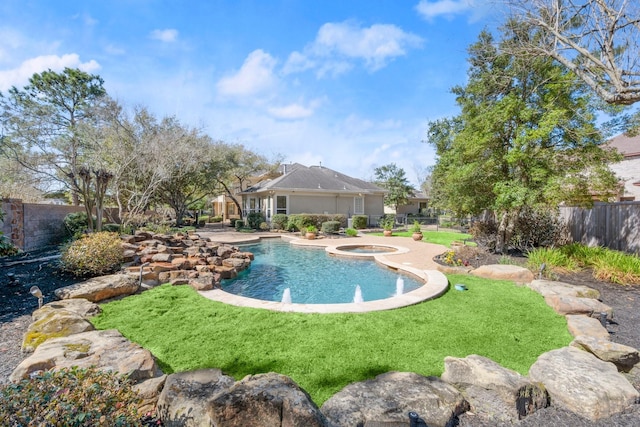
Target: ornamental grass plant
point(608, 265)
point(325, 352)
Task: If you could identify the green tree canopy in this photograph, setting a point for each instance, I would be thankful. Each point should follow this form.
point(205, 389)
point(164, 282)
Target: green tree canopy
point(42, 123)
point(393, 179)
point(525, 136)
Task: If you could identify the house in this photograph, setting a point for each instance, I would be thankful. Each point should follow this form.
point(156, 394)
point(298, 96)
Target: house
point(628, 170)
point(416, 206)
point(314, 190)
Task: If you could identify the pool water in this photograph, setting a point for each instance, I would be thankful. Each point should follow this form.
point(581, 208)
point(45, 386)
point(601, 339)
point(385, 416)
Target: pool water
point(313, 276)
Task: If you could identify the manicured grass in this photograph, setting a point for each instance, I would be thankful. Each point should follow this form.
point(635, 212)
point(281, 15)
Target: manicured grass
point(439, 237)
point(323, 353)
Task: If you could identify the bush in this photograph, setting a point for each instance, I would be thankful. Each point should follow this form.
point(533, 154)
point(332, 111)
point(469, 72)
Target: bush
point(239, 224)
point(93, 255)
point(264, 226)
point(330, 227)
point(70, 397)
point(279, 222)
point(359, 221)
point(533, 228)
point(216, 218)
point(351, 232)
point(76, 224)
point(111, 228)
point(254, 219)
point(297, 222)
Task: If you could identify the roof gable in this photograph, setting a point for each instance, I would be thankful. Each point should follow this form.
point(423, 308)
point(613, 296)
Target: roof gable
point(315, 178)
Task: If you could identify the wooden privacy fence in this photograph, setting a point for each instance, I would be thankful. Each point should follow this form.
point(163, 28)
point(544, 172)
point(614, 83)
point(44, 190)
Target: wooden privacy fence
point(612, 225)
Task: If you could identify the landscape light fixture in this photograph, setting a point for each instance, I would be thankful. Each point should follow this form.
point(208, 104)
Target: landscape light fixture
point(36, 292)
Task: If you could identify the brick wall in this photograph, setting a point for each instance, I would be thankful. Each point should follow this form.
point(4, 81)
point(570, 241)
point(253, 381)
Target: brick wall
point(31, 225)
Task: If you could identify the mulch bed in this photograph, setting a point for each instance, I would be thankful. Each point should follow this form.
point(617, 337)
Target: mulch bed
point(39, 268)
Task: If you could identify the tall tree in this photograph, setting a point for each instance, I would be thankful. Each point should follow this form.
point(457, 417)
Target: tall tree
point(599, 40)
point(525, 137)
point(42, 123)
point(393, 179)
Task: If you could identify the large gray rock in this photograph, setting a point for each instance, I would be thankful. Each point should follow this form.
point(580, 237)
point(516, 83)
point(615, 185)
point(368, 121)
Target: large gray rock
point(623, 356)
point(59, 319)
point(271, 399)
point(185, 396)
point(550, 287)
point(504, 272)
point(580, 325)
point(107, 350)
point(492, 390)
point(53, 324)
point(79, 306)
point(100, 288)
point(581, 383)
point(391, 396)
point(564, 304)
point(149, 391)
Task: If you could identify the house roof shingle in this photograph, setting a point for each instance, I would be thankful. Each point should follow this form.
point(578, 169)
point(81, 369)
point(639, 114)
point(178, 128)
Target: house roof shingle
point(315, 178)
point(628, 146)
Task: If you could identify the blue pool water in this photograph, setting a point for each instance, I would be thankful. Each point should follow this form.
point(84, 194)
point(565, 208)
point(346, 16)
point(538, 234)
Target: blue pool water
point(314, 276)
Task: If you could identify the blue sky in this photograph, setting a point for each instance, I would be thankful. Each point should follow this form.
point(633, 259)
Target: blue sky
point(351, 84)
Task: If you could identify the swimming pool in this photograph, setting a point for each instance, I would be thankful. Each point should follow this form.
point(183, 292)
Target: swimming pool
point(313, 276)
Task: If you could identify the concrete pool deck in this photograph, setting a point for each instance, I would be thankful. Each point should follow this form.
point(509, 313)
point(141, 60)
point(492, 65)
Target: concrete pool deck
point(411, 257)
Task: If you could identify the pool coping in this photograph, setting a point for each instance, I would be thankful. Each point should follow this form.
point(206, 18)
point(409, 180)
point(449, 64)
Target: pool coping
point(436, 284)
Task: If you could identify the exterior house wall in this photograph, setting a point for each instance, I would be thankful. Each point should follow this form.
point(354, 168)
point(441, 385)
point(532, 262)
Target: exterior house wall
point(628, 171)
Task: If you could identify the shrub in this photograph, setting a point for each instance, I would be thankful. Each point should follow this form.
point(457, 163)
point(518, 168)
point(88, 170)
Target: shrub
point(279, 222)
point(299, 221)
point(533, 228)
point(351, 232)
point(6, 247)
point(239, 224)
point(359, 221)
point(330, 227)
point(70, 397)
point(111, 228)
point(216, 218)
point(254, 219)
point(93, 254)
point(264, 226)
point(76, 223)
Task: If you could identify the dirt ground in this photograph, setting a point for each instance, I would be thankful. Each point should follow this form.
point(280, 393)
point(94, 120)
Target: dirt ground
point(41, 268)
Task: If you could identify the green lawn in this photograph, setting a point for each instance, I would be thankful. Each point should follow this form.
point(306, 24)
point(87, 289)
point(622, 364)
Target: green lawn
point(325, 352)
point(440, 237)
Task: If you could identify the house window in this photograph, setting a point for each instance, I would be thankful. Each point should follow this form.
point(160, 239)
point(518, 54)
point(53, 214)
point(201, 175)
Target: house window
point(423, 207)
point(358, 207)
point(281, 204)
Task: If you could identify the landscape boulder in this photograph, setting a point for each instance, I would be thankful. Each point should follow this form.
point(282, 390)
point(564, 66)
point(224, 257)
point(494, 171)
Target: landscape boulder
point(565, 304)
point(391, 396)
point(581, 325)
point(623, 356)
point(579, 382)
point(184, 400)
point(492, 390)
point(103, 349)
point(551, 287)
point(53, 324)
point(100, 288)
point(264, 400)
point(514, 273)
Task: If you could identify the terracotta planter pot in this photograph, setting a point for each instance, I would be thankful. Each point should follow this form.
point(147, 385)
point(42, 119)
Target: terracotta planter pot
point(310, 236)
point(387, 233)
point(417, 236)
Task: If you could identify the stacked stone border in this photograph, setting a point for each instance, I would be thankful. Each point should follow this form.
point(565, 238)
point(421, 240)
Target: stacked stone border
point(592, 377)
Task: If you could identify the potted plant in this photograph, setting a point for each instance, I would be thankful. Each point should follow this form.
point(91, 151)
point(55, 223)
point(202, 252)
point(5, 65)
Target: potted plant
point(311, 232)
point(387, 224)
point(416, 230)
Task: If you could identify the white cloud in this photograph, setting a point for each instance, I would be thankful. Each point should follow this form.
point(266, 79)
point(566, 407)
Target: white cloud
point(20, 76)
point(428, 9)
point(112, 49)
point(295, 111)
point(255, 76)
point(337, 45)
point(167, 36)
